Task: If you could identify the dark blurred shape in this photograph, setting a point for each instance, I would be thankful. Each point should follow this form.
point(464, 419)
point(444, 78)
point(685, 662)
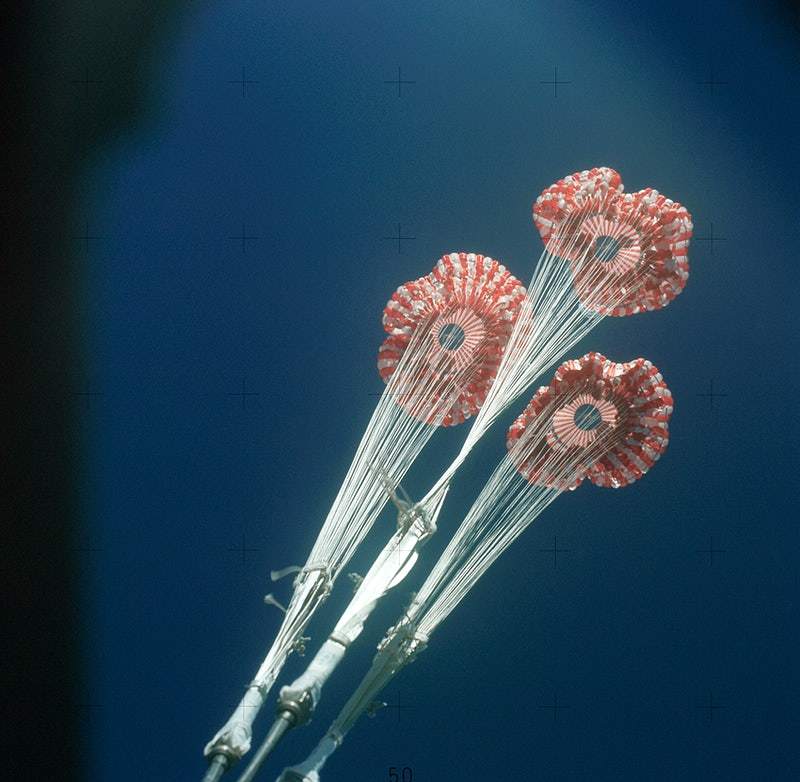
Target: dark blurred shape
point(786, 13)
point(76, 79)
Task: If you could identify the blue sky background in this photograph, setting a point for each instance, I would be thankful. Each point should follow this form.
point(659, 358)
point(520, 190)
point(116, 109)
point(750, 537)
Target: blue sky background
point(636, 628)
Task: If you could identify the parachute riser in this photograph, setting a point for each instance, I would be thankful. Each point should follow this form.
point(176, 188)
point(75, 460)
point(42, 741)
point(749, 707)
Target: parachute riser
point(402, 644)
point(420, 519)
point(290, 713)
point(415, 527)
point(299, 699)
point(311, 587)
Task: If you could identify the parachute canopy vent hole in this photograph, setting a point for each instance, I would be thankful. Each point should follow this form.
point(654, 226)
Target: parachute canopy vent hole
point(451, 336)
point(587, 418)
point(606, 248)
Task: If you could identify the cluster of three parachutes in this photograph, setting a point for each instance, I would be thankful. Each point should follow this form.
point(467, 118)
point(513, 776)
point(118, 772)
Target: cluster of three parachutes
point(468, 330)
point(597, 419)
point(627, 254)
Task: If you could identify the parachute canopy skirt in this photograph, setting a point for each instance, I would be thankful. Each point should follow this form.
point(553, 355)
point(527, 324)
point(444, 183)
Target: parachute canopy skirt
point(596, 419)
point(456, 321)
point(628, 252)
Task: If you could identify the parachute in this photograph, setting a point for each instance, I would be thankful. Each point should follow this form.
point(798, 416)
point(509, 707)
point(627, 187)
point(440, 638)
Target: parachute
point(464, 342)
point(439, 383)
point(633, 244)
point(513, 498)
point(623, 405)
point(472, 301)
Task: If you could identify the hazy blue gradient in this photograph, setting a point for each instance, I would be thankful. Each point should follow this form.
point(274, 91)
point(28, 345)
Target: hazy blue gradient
point(320, 160)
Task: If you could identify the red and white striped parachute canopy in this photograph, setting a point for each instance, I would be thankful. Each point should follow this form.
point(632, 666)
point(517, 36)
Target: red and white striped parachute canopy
point(628, 251)
point(457, 321)
point(597, 419)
